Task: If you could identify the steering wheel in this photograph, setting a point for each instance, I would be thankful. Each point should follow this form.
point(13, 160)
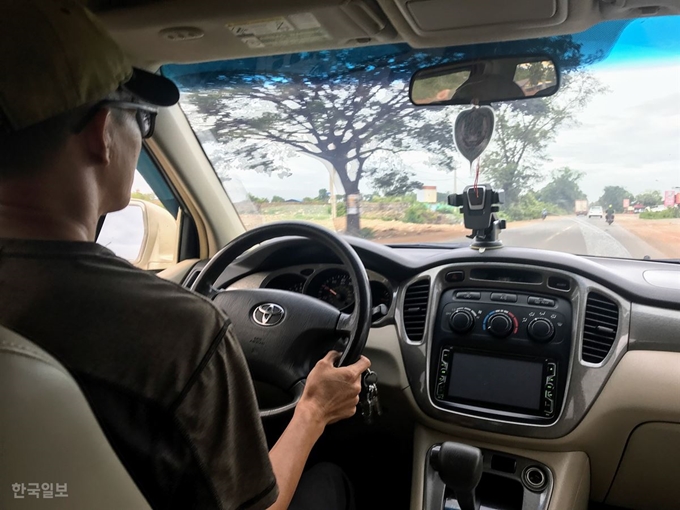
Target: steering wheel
point(282, 333)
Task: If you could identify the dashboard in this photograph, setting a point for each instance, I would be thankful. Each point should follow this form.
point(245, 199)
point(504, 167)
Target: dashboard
point(517, 341)
point(512, 348)
point(329, 283)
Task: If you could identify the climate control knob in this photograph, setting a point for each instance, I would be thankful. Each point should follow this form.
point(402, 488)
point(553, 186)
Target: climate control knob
point(541, 330)
point(499, 324)
point(462, 321)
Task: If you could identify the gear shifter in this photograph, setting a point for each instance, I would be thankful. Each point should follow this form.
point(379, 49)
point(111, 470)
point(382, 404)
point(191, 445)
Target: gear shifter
point(460, 468)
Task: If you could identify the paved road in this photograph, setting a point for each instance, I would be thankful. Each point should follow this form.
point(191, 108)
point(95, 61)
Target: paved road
point(581, 236)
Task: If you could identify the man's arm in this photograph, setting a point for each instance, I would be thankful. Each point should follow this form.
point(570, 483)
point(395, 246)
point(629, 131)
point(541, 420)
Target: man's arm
point(331, 394)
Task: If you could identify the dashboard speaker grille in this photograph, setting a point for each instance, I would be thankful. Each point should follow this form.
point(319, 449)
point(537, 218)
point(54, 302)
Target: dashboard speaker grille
point(415, 309)
point(601, 324)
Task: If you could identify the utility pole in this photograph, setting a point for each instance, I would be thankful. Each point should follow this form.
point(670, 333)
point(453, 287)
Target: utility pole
point(453, 150)
point(334, 205)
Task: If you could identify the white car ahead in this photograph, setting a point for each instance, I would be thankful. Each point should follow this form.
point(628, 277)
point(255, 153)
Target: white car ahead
point(596, 210)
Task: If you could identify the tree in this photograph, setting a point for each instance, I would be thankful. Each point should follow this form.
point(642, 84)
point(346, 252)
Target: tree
point(650, 198)
point(390, 176)
point(343, 112)
point(278, 199)
point(525, 129)
point(614, 196)
point(257, 200)
point(343, 106)
point(563, 189)
point(323, 195)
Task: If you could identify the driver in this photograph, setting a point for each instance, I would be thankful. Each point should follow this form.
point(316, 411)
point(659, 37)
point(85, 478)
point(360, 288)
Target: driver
point(158, 364)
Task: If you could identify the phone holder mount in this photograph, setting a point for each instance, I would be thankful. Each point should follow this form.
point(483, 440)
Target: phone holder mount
point(479, 206)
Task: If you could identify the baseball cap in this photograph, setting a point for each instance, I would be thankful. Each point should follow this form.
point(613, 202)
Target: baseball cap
point(56, 56)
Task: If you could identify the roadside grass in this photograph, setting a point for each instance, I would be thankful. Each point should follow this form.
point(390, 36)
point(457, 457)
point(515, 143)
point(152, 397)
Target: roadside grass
point(670, 213)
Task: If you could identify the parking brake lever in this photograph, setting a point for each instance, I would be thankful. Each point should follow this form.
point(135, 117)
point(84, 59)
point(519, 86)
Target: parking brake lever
point(460, 467)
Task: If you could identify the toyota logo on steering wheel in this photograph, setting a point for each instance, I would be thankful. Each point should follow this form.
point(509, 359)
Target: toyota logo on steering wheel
point(268, 314)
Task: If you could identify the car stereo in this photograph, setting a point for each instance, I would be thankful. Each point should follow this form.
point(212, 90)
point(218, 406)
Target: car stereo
point(500, 354)
point(517, 386)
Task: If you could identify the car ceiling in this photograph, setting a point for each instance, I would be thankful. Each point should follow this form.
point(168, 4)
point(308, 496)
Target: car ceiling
point(155, 32)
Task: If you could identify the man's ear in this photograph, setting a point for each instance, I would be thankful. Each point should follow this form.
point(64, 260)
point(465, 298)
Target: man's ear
point(97, 135)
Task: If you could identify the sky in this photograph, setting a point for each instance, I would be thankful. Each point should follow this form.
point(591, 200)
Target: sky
point(629, 136)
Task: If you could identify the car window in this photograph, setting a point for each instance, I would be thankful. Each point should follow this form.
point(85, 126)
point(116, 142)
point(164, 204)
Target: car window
point(123, 232)
point(145, 233)
point(332, 137)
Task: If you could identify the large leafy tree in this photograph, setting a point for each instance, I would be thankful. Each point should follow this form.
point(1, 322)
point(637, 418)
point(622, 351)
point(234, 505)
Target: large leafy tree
point(650, 198)
point(342, 112)
point(525, 129)
point(345, 106)
point(614, 196)
point(563, 189)
point(391, 177)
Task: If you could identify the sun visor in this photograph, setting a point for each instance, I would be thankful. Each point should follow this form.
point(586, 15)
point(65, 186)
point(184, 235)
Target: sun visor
point(437, 15)
point(432, 23)
point(205, 30)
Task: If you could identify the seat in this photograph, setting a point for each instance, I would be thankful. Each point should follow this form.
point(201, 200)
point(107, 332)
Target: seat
point(49, 435)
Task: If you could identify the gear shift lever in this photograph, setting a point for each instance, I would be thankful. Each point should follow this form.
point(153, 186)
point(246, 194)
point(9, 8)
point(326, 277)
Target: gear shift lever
point(460, 468)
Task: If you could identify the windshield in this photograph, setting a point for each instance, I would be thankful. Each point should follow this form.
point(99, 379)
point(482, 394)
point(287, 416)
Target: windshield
point(331, 137)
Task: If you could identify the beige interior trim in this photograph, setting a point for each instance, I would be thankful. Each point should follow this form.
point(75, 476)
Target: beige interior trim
point(570, 469)
point(649, 474)
point(178, 272)
point(347, 23)
point(49, 435)
point(643, 388)
point(382, 348)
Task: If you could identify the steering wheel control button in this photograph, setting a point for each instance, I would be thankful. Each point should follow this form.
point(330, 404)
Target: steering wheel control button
point(541, 330)
point(454, 276)
point(504, 297)
point(462, 321)
point(539, 301)
point(268, 314)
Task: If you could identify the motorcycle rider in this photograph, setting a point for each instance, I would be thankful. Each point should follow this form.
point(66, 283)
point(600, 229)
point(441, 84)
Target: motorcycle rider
point(544, 213)
point(610, 213)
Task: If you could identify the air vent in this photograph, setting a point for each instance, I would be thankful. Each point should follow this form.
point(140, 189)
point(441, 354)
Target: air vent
point(415, 309)
point(599, 332)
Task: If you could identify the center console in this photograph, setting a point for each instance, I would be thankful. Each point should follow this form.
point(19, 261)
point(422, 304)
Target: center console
point(500, 354)
point(502, 481)
point(501, 347)
point(504, 349)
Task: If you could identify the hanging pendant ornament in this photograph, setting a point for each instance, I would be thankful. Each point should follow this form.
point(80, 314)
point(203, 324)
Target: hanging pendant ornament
point(479, 204)
point(473, 130)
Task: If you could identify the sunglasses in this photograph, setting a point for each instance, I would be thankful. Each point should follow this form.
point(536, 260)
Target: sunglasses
point(144, 115)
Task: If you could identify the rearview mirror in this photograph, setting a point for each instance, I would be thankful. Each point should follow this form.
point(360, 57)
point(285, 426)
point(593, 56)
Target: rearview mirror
point(485, 81)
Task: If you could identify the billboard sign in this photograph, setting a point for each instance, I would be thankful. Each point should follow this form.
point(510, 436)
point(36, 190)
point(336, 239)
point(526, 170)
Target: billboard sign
point(669, 198)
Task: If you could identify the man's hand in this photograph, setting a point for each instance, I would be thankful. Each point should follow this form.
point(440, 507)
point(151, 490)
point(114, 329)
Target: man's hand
point(332, 393)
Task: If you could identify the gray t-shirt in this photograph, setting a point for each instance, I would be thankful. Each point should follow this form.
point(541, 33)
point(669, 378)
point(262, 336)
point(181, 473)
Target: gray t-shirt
point(158, 364)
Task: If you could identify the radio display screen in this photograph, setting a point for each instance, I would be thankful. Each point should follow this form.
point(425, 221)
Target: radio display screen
point(501, 381)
